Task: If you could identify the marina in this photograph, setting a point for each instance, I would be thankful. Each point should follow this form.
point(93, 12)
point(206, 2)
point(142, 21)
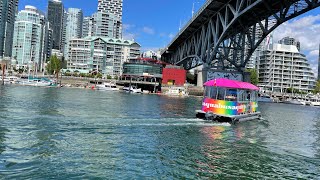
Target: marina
point(46, 133)
point(95, 90)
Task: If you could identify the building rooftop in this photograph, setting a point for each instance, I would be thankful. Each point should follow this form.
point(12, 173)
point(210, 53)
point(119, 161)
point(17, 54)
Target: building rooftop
point(111, 40)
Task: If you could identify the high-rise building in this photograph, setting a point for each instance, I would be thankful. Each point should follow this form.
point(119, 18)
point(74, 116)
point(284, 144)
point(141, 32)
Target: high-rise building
point(319, 65)
point(111, 6)
point(8, 10)
point(105, 55)
point(290, 41)
point(103, 25)
point(56, 19)
point(73, 27)
point(282, 67)
point(30, 40)
point(86, 26)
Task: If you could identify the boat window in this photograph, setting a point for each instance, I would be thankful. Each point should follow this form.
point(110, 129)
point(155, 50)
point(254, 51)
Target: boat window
point(231, 95)
point(254, 95)
point(213, 92)
point(207, 92)
point(242, 95)
point(221, 93)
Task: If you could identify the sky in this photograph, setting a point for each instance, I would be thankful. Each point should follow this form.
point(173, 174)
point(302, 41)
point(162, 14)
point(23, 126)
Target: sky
point(153, 23)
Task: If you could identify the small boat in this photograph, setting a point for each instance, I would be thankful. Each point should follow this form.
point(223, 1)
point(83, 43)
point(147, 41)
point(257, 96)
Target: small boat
point(265, 98)
point(313, 101)
point(177, 91)
point(229, 101)
point(107, 87)
point(132, 89)
point(295, 101)
point(10, 80)
point(35, 82)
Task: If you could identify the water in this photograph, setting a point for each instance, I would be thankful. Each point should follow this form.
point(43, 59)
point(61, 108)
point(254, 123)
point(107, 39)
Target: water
point(82, 134)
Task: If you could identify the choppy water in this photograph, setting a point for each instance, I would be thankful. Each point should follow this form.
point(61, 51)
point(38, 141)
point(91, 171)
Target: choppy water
point(83, 134)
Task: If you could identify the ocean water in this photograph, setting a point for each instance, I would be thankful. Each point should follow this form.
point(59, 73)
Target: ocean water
point(83, 134)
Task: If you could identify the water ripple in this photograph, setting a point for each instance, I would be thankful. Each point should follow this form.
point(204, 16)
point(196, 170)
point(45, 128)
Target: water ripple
point(82, 134)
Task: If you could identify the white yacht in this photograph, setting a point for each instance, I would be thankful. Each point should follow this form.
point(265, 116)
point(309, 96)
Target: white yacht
point(177, 91)
point(295, 101)
point(132, 89)
point(10, 79)
point(35, 82)
point(313, 101)
point(107, 87)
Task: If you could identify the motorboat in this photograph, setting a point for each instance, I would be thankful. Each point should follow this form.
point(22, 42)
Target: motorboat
point(107, 87)
point(132, 89)
point(177, 91)
point(230, 101)
point(313, 101)
point(265, 98)
point(294, 101)
point(35, 82)
point(10, 79)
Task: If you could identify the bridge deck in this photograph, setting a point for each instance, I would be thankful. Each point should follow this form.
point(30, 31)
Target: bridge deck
point(212, 7)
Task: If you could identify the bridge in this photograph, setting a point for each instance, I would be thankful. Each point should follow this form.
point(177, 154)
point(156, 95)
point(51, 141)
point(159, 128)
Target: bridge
point(224, 33)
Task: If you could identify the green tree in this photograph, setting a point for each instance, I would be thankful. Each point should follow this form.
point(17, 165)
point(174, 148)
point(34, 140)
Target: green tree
point(317, 89)
point(253, 76)
point(54, 66)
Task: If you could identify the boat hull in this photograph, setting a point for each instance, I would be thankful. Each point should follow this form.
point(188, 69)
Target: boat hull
point(225, 118)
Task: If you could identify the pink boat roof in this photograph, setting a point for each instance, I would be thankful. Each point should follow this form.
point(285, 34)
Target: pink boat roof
point(227, 83)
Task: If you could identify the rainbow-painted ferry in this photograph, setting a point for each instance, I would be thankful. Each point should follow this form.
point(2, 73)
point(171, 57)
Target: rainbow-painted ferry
point(228, 100)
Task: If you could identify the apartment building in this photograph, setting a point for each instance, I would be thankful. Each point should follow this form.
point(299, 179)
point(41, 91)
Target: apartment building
point(105, 55)
point(282, 67)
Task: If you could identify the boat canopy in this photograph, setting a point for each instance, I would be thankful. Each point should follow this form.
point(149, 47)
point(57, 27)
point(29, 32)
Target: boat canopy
point(227, 83)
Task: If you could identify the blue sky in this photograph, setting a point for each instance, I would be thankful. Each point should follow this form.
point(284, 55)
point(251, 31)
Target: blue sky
point(153, 23)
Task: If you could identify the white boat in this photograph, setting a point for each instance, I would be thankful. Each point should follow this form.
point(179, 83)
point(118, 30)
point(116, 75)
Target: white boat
point(35, 82)
point(313, 102)
point(10, 79)
point(265, 98)
point(107, 87)
point(132, 89)
point(177, 91)
point(295, 101)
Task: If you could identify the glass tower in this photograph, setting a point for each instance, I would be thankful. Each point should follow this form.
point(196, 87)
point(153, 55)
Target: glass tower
point(73, 27)
point(30, 37)
point(8, 10)
point(56, 19)
point(319, 65)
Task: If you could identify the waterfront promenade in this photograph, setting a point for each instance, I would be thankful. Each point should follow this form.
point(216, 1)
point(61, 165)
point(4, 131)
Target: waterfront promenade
point(83, 134)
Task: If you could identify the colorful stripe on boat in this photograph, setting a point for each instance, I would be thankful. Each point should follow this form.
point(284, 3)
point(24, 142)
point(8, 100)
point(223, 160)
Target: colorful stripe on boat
point(222, 107)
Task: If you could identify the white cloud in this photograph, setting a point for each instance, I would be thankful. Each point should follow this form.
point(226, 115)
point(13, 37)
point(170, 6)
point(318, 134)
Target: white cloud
point(148, 30)
point(307, 31)
point(314, 52)
point(171, 36)
point(127, 27)
point(129, 36)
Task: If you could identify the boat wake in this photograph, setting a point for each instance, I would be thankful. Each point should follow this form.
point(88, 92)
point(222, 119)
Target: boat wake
point(176, 122)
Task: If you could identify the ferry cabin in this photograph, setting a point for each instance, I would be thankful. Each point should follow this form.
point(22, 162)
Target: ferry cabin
point(227, 101)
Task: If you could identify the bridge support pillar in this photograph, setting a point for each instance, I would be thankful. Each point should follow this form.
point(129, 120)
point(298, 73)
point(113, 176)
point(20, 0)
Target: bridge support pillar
point(207, 74)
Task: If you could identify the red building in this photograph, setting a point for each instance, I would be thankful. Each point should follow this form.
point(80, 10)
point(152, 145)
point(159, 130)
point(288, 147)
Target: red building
point(174, 75)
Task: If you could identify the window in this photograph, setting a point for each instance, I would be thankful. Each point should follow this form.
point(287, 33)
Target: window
point(231, 95)
point(221, 93)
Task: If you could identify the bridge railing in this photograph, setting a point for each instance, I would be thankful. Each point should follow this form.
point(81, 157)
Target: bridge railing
point(189, 22)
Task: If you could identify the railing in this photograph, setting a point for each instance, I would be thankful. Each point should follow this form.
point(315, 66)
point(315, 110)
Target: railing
point(189, 22)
